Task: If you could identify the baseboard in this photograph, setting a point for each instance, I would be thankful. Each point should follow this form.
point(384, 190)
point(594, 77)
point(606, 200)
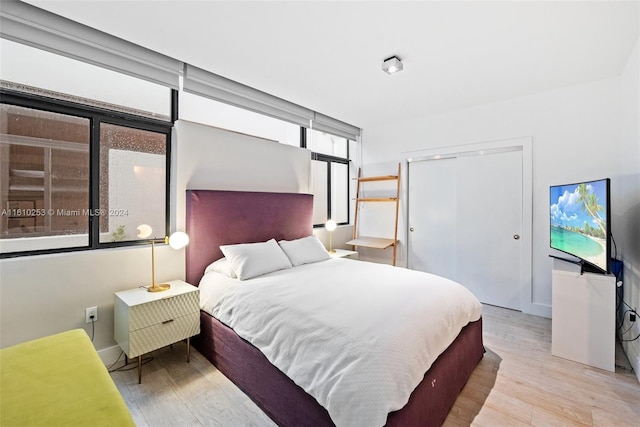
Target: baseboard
point(633, 355)
point(541, 310)
point(632, 350)
point(110, 354)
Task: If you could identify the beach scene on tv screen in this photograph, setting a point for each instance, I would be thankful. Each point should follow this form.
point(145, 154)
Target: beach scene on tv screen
point(579, 221)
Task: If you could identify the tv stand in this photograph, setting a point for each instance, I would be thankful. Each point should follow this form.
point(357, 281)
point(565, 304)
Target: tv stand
point(583, 323)
point(584, 267)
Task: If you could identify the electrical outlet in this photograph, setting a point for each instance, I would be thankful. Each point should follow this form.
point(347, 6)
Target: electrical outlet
point(91, 313)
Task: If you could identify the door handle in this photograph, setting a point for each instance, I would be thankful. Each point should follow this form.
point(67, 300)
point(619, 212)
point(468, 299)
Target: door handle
point(516, 236)
point(411, 229)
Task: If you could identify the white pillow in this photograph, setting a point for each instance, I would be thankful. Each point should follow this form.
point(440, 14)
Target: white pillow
point(221, 266)
point(254, 259)
point(305, 250)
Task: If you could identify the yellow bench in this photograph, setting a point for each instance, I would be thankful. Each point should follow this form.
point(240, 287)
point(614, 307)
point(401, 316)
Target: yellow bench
point(58, 380)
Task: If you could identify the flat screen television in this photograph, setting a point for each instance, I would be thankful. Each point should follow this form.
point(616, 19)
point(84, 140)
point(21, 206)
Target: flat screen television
point(581, 223)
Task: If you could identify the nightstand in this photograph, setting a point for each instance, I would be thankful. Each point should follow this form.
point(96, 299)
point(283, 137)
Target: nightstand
point(146, 321)
point(343, 253)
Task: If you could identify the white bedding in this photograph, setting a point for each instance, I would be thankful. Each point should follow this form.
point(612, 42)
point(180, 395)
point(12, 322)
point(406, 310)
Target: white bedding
point(357, 336)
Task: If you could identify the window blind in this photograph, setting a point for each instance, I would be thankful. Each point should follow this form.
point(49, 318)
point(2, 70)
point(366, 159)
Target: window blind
point(210, 85)
point(23, 23)
point(204, 83)
point(335, 127)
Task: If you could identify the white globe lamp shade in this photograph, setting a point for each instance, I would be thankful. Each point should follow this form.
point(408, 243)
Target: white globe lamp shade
point(178, 240)
point(330, 225)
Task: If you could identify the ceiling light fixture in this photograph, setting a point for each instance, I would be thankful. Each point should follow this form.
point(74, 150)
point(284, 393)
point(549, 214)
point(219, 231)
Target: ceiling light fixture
point(392, 65)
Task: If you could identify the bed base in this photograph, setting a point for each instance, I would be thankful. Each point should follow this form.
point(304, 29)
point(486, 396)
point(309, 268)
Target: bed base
point(287, 404)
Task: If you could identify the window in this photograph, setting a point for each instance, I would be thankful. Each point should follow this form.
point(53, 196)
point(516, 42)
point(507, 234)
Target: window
point(329, 177)
point(224, 116)
point(133, 175)
point(320, 191)
point(45, 176)
point(84, 153)
point(73, 176)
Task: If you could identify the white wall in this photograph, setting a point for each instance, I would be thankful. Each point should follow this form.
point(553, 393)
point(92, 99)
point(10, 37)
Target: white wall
point(627, 207)
point(209, 158)
point(46, 294)
point(576, 136)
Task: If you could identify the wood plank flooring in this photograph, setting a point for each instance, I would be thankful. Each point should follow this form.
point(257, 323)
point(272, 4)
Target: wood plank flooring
point(517, 383)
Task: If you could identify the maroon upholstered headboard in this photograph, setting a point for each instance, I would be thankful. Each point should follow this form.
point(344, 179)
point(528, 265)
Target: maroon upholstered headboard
point(217, 218)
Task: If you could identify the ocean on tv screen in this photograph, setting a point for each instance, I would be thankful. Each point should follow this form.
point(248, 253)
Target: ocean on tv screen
point(578, 244)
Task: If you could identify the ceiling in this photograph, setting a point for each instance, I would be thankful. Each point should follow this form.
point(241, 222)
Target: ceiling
point(326, 55)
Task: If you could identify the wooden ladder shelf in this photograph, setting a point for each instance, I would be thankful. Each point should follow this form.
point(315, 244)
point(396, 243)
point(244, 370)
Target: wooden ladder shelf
point(376, 242)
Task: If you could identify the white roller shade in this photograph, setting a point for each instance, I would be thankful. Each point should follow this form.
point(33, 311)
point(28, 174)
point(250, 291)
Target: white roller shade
point(27, 24)
point(335, 127)
point(218, 88)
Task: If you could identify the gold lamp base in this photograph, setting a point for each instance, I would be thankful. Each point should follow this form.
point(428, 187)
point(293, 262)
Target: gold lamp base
point(158, 288)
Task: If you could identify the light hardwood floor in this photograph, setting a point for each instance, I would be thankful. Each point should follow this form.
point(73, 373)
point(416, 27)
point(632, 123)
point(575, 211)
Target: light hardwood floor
point(517, 383)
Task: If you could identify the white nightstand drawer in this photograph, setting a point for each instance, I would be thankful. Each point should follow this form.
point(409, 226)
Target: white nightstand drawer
point(161, 310)
point(142, 341)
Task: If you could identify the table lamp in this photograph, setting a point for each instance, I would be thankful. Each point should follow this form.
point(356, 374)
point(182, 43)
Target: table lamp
point(177, 240)
point(330, 226)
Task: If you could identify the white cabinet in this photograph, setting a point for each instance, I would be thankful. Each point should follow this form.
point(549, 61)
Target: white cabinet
point(145, 321)
point(583, 324)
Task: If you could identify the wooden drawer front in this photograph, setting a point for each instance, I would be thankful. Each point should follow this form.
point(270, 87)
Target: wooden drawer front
point(157, 336)
point(154, 312)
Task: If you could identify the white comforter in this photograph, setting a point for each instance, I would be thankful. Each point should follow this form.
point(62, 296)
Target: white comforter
point(357, 336)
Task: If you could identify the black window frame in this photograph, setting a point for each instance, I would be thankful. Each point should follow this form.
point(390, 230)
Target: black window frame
point(96, 117)
point(329, 159)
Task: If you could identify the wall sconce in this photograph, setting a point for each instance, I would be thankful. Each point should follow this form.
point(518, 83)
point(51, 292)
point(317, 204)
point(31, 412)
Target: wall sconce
point(330, 226)
point(177, 240)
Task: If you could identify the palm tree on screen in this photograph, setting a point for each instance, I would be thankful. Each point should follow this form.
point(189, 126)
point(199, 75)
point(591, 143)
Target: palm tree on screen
point(590, 204)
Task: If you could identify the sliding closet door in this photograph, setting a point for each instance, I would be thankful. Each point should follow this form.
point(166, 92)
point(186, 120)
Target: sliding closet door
point(489, 227)
point(465, 222)
point(432, 202)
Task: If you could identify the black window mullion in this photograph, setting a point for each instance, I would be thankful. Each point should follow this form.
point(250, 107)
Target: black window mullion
point(94, 183)
point(348, 190)
point(330, 158)
point(303, 137)
point(167, 188)
point(329, 190)
point(174, 105)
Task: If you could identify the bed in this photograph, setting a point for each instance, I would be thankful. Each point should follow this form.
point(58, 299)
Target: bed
point(58, 380)
point(216, 218)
